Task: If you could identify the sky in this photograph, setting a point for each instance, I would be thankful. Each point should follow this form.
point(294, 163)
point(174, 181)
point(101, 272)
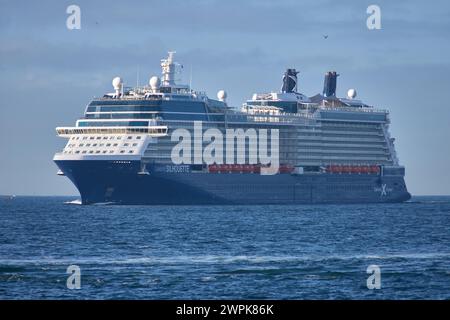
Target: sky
point(49, 73)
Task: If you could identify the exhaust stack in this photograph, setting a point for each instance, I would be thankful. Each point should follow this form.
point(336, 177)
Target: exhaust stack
point(289, 81)
point(329, 84)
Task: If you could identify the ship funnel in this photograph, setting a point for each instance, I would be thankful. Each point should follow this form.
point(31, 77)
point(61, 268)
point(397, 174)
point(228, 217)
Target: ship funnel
point(289, 81)
point(329, 84)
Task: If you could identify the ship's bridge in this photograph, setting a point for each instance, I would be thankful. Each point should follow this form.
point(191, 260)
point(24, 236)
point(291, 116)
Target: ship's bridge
point(161, 99)
point(127, 120)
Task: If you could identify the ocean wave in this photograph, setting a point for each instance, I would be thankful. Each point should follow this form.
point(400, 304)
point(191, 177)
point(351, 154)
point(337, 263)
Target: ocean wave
point(79, 202)
point(212, 259)
point(75, 202)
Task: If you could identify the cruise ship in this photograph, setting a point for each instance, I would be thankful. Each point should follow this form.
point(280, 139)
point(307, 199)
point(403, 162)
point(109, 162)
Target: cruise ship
point(161, 144)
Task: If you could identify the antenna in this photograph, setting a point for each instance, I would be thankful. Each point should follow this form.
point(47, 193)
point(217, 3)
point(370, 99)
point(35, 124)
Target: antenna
point(190, 78)
point(168, 70)
point(137, 77)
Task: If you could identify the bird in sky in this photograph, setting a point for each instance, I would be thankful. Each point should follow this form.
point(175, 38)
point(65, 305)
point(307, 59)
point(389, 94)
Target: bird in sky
point(325, 36)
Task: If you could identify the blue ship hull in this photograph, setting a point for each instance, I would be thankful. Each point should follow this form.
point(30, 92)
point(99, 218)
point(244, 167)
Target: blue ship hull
point(119, 182)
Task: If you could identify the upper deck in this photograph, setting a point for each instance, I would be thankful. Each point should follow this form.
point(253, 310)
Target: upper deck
point(163, 101)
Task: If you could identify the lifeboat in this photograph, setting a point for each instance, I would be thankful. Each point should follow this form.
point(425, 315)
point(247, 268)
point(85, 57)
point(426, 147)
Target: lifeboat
point(335, 169)
point(346, 169)
point(374, 169)
point(222, 168)
point(236, 168)
point(213, 168)
point(365, 169)
point(286, 169)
